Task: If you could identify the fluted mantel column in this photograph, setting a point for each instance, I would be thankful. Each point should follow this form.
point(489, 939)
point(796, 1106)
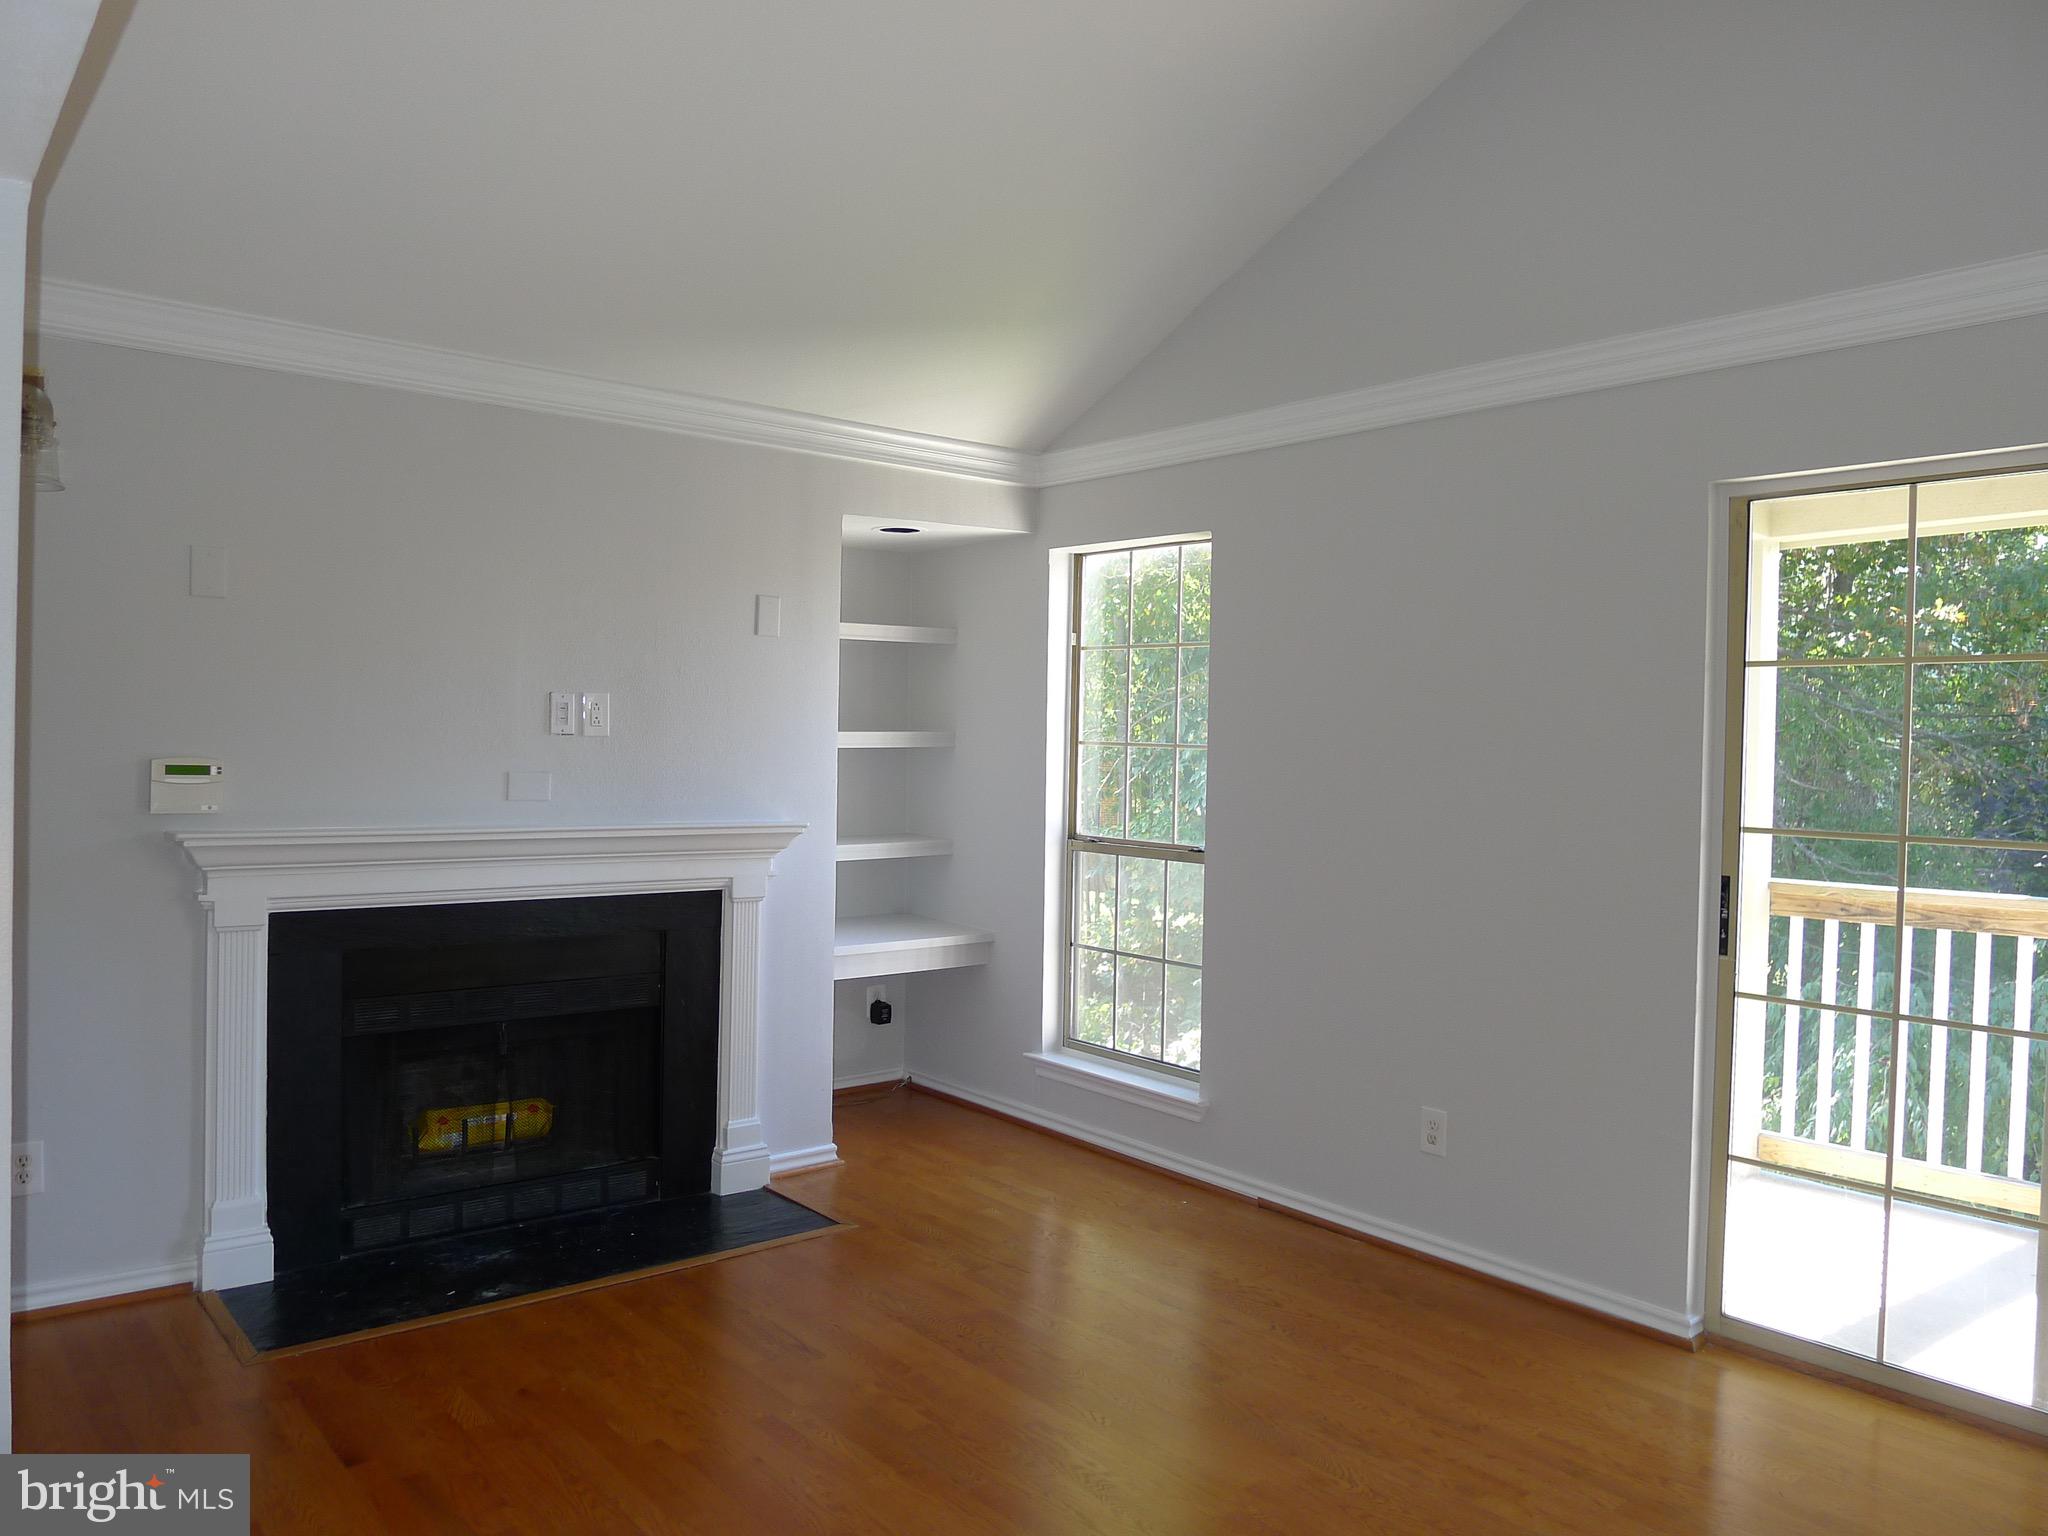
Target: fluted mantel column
point(237, 1248)
point(740, 1159)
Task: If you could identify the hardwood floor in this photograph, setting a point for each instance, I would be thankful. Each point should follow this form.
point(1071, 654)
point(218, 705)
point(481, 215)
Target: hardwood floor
point(1021, 1335)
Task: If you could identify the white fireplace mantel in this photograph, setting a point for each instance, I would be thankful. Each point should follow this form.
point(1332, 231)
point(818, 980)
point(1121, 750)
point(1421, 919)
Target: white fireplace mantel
point(247, 875)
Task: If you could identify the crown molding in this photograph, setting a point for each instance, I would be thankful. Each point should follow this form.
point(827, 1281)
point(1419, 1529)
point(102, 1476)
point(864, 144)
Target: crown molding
point(149, 324)
point(1914, 306)
point(2013, 288)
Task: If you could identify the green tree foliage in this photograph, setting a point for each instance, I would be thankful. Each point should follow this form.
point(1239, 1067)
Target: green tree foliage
point(1980, 759)
point(1141, 774)
point(1979, 771)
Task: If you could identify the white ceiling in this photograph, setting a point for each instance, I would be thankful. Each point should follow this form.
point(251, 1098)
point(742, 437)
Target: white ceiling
point(953, 217)
point(39, 47)
point(930, 533)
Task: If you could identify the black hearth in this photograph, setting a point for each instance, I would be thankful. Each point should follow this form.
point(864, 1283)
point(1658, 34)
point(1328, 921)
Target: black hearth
point(437, 1071)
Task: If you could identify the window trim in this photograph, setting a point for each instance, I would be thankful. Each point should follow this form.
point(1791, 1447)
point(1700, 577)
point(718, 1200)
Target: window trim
point(1072, 840)
point(1133, 1080)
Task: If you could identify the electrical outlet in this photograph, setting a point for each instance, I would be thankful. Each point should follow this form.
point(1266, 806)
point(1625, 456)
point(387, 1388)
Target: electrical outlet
point(1436, 1132)
point(597, 714)
point(26, 1171)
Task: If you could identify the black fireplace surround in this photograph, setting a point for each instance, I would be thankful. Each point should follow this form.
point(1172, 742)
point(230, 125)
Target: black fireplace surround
point(444, 1070)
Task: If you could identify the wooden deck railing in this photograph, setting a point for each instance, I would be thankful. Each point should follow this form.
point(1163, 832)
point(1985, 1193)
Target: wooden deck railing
point(1981, 912)
point(1851, 917)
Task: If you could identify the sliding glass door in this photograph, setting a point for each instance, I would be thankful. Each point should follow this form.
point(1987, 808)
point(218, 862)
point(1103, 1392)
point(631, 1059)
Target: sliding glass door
point(1884, 1063)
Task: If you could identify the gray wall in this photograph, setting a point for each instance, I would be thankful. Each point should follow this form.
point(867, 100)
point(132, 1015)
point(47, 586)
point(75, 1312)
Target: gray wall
point(410, 577)
point(1461, 686)
point(1459, 736)
point(1606, 166)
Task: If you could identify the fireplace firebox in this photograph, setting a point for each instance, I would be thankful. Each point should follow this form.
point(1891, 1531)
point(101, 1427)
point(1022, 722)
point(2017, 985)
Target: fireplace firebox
point(440, 1070)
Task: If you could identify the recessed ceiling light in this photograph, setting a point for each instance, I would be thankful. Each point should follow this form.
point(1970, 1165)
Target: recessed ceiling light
point(899, 530)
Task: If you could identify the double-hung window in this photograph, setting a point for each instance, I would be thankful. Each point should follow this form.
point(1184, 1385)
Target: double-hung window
point(1137, 803)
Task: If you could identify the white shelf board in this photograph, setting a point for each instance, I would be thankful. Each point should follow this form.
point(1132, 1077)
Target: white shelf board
point(899, 634)
point(849, 740)
point(893, 845)
point(902, 943)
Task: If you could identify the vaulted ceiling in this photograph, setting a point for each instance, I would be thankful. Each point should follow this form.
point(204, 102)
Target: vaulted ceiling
point(956, 217)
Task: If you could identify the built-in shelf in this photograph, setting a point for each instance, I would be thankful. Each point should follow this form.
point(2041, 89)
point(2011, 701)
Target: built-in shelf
point(895, 845)
point(899, 634)
point(902, 943)
point(850, 740)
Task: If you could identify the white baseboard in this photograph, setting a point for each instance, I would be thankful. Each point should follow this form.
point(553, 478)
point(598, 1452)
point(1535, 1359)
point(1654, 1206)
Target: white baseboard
point(869, 1079)
point(37, 1294)
point(57, 1293)
point(1678, 1325)
point(800, 1158)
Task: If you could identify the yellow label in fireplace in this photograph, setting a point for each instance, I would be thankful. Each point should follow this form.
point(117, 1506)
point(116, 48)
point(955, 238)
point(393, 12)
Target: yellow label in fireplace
point(467, 1127)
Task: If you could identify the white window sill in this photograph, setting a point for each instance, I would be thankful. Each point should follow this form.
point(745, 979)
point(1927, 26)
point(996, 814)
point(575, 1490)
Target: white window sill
point(1133, 1085)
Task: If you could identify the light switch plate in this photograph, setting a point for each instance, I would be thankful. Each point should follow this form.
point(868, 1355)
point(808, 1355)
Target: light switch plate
point(767, 615)
point(597, 714)
point(529, 786)
point(209, 570)
point(562, 713)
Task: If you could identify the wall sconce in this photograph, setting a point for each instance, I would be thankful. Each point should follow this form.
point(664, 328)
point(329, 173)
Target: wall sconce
point(39, 432)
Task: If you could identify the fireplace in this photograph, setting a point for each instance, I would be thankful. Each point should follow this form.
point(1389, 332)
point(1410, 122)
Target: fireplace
point(424, 974)
point(449, 1069)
